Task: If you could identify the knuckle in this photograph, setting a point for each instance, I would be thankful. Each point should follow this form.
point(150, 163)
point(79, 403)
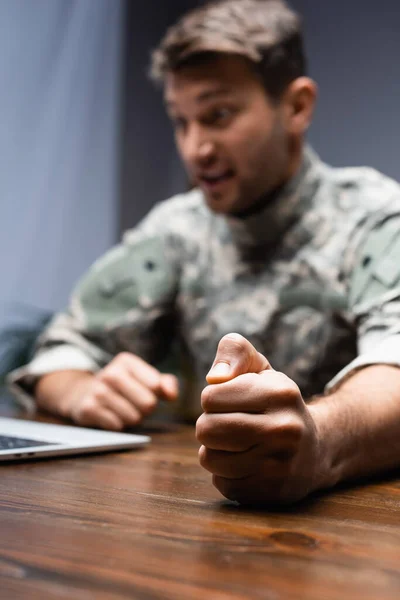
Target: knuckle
point(123, 358)
point(293, 392)
point(203, 456)
point(99, 391)
point(292, 430)
point(287, 389)
point(110, 374)
point(206, 398)
point(296, 429)
point(203, 429)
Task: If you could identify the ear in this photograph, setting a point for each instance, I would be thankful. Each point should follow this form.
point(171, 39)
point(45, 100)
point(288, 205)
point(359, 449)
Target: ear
point(299, 102)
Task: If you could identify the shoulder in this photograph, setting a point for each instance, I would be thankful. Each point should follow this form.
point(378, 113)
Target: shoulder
point(369, 199)
point(179, 216)
point(364, 190)
point(354, 201)
point(146, 263)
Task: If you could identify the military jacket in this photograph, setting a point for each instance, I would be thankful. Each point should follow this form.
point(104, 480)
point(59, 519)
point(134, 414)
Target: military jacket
point(311, 280)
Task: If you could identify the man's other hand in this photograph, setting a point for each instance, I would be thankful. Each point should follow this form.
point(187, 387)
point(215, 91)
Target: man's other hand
point(119, 395)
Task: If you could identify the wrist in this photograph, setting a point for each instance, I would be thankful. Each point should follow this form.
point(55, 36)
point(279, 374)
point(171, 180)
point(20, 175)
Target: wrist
point(329, 443)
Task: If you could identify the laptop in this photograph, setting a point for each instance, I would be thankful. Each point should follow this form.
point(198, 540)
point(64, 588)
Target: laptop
point(27, 440)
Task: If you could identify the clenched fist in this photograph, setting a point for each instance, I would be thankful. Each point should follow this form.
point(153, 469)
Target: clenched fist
point(258, 437)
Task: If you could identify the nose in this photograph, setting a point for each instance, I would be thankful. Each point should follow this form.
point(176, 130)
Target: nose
point(198, 147)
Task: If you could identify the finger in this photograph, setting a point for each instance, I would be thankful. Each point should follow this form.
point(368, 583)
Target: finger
point(232, 432)
point(146, 374)
point(235, 356)
point(226, 464)
point(106, 419)
point(127, 413)
point(169, 386)
point(120, 383)
point(105, 398)
point(265, 489)
point(89, 413)
point(236, 465)
point(279, 434)
point(252, 393)
point(239, 465)
point(165, 385)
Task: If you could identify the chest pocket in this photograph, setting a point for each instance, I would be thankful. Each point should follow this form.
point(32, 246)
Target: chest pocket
point(129, 281)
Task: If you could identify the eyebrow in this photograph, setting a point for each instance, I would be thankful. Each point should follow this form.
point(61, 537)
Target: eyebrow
point(208, 95)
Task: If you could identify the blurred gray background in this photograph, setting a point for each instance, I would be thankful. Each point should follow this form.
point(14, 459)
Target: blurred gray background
point(85, 147)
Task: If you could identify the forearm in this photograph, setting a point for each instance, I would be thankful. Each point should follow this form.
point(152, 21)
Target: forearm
point(55, 391)
point(359, 426)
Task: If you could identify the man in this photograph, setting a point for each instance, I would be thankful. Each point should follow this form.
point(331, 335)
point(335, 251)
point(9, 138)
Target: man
point(300, 260)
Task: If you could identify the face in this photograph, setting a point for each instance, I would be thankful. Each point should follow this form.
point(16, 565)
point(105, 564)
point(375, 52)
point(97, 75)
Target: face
point(231, 137)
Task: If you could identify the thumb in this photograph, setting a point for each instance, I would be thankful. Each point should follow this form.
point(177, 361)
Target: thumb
point(235, 356)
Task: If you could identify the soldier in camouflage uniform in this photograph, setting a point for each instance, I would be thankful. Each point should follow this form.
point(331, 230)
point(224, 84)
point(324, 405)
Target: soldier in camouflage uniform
point(300, 260)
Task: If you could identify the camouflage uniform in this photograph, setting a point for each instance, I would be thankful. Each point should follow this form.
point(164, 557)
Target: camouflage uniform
point(294, 279)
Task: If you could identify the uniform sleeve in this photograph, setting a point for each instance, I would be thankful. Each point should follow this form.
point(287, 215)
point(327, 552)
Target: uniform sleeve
point(125, 302)
point(374, 299)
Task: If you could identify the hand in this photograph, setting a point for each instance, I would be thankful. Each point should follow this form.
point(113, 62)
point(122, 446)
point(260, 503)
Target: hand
point(119, 395)
point(259, 439)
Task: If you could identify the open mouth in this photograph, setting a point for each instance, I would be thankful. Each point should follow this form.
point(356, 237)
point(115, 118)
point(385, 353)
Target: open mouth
point(214, 181)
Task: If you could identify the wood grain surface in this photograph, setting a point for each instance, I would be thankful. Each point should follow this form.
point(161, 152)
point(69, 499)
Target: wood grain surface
point(147, 524)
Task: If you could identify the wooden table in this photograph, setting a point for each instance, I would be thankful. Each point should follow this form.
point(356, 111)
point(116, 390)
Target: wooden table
point(148, 524)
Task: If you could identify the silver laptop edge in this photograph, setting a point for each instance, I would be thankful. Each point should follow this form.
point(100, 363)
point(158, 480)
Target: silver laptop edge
point(61, 440)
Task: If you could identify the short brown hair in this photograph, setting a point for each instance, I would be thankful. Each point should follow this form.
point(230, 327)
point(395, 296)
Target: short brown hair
point(265, 32)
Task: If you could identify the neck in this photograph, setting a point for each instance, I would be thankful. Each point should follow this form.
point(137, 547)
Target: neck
point(295, 151)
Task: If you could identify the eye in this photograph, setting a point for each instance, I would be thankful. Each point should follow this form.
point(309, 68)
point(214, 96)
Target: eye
point(223, 113)
point(220, 116)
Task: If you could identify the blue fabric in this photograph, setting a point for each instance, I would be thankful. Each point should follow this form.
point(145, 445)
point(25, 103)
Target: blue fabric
point(18, 336)
point(60, 66)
